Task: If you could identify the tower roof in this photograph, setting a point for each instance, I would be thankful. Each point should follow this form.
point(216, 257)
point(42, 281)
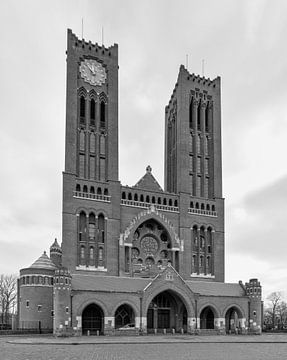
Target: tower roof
point(148, 181)
point(55, 246)
point(43, 262)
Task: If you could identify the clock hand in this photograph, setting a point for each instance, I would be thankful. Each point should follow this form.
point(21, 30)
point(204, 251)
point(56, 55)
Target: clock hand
point(92, 68)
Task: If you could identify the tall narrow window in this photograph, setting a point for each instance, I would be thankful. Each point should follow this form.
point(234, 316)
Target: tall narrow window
point(198, 144)
point(101, 228)
point(82, 226)
point(199, 116)
point(92, 112)
point(206, 118)
point(191, 143)
point(198, 164)
point(92, 142)
point(82, 107)
point(102, 145)
point(190, 163)
point(190, 115)
point(207, 166)
point(102, 169)
point(92, 226)
point(82, 140)
point(92, 167)
point(103, 115)
point(91, 253)
point(206, 145)
point(198, 186)
point(82, 165)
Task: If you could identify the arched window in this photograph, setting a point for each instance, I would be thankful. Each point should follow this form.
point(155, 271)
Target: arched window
point(159, 200)
point(175, 203)
point(99, 191)
point(103, 115)
point(92, 111)
point(142, 198)
point(82, 226)
point(190, 114)
point(147, 199)
point(164, 201)
point(78, 188)
point(130, 196)
point(106, 192)
point(92, 226)
point(202, 206)
point(212, 208)
point(82, 252)
point(91, 253)
point(195, 238)
point(123, 195)
point(85, 189)
point(92, 190)
point(101, 228)
point(101, 254)
point(207, 207)
point(135, 197)
point(92, 142)
point(193, 263)
point(198, 116)
point(191, 204)
point(170, 202)
point(82, 107)
point(153, 200)
point(197, 205)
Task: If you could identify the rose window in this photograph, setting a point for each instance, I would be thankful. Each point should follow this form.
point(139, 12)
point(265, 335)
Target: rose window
point(149, 245)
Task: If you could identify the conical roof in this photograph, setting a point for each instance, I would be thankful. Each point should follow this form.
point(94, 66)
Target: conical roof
point(148, 181)
point(43, 262)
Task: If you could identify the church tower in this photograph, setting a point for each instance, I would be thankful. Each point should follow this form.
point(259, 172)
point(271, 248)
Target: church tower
point(90, 178)
point(193, 137)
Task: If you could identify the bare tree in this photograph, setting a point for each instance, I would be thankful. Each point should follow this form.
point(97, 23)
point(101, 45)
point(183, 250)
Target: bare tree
point(8, 296)
point(274, 299)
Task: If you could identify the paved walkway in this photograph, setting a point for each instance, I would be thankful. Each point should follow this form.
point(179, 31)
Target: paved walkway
point(150, 339)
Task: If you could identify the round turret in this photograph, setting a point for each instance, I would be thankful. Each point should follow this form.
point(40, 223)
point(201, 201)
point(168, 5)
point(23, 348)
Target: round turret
point(36, 294)
point(56, 253)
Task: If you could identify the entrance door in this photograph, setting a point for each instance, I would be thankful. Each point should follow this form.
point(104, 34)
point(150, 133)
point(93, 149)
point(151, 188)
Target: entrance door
point(150, 324)
point(92, 319)
point(163, 318)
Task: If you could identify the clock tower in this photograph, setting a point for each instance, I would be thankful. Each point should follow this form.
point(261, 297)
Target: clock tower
point(91, 154)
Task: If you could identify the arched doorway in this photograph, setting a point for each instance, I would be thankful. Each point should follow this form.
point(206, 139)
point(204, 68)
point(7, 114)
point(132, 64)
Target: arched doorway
point(166, 311)
point(232, 323)
point(207, 318)
point(124, 315)
point(92, 319)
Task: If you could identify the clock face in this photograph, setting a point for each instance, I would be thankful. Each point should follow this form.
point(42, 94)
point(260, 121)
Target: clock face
point(93, 72)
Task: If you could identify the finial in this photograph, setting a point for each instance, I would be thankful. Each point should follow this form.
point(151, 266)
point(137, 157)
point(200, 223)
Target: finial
point(45, 252)
point(148, 169)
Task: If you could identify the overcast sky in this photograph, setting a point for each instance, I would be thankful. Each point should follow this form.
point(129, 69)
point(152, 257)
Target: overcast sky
point(244, 42)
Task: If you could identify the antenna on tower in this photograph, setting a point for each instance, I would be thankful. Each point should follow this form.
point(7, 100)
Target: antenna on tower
point(82, 28)
point(102, 35)
point(202, 67)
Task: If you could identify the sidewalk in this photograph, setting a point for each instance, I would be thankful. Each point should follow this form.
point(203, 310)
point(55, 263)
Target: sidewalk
point(146, 339)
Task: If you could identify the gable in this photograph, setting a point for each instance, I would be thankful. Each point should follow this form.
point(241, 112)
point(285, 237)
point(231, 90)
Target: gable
point(148, 182)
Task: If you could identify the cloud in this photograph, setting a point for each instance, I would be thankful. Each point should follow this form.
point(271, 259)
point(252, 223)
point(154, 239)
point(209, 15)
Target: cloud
point(257, 225)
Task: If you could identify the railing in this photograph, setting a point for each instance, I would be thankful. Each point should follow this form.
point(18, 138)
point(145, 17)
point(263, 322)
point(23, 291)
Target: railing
point(90, 196)
point(202, 212)
point(147, 205)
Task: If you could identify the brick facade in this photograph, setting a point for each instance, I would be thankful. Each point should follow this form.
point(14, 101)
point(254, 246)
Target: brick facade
point(144, 255)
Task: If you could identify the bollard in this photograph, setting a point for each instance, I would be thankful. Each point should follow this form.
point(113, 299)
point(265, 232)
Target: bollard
point(98, 332)
point(155, 331)
point(88, 333)
point(173, 331)
point(164, 331)
point(182, 331)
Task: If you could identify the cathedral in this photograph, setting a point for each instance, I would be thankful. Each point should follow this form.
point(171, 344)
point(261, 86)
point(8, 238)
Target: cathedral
point(138, 259)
